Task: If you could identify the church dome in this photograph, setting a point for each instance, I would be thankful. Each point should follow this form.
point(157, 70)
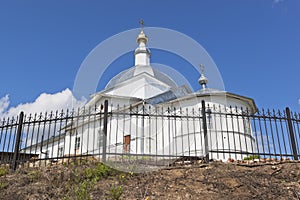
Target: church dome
point(142, 66)
point(135, 71)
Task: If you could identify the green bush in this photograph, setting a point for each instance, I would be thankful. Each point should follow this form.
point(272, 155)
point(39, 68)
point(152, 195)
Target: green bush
point(3, 171)
point(3, 185)
point(252, 157)
point(116, 192)
point(82, 182)
point(34, 175)
point(100, 171)
point(83, 189)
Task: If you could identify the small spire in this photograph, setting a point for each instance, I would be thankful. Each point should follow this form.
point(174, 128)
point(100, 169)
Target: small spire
point(142, 53)
point(142, 23)
point(202, 69)
point(142, 38)
point(202, 80)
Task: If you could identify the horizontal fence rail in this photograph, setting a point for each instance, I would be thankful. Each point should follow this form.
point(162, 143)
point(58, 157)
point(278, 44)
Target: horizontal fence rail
point(148, 136)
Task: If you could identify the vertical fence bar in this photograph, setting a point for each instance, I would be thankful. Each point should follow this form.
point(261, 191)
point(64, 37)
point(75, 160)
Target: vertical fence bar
point(143, 129)
point(291, 131)
point(205, 132)
point(116, 130)
point(149, 131)
point(188, 130)
point(194, 130)
point(105, 130)
point(12, 134)
point(277, 133)
point(126, 143)
point(18, 138)
point(298, 132)
point(220, 116)
point(4, 141)
point(156, 133)
point(162, 131)
point(233, 132)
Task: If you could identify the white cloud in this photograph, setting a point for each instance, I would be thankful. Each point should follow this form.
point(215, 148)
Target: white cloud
point(45, 102)
point(4, 103)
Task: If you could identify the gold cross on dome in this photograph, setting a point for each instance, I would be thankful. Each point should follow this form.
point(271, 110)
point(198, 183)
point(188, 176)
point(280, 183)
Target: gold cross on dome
point(142, 23)
point(202, 69)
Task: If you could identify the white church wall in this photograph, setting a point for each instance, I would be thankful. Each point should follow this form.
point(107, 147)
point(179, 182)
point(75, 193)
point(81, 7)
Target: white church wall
point(163, 134)
point(225, 132)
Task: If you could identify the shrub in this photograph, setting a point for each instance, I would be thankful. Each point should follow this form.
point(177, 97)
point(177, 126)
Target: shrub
point(100, 171)
point(116, 192)
point(252, 157)
point(83, 189)
point(3, 171)
point(3, 185)
point(34, 175)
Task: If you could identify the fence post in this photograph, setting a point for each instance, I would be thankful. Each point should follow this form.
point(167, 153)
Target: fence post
point(206, 159)
point(17, 145)
point(105, 130)
point(291, 131)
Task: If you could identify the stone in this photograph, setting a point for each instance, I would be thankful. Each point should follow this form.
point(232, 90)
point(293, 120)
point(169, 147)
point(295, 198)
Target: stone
point(187, 162)
point(250, 161)
point(262, 160)
point(187, 196)
point(200, 161)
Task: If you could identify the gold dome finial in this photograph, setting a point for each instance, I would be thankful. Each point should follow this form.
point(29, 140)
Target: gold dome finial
point(202, 69)
point(142, 37)
point(142, 24)
point(202, 80)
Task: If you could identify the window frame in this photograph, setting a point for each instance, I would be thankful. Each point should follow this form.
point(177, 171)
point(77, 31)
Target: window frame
point(77, 143)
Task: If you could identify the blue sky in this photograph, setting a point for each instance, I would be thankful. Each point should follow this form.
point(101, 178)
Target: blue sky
point(255, 44)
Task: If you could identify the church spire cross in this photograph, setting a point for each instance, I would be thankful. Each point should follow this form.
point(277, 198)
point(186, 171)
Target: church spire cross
point(142, 23)
point(202, 80)
point(142, 38)
point(202, 69)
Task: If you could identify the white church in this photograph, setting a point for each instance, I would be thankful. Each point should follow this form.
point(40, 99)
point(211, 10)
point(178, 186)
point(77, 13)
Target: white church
point(151, 115)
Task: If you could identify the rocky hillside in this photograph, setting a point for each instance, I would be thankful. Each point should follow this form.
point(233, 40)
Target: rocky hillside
point(216, 180)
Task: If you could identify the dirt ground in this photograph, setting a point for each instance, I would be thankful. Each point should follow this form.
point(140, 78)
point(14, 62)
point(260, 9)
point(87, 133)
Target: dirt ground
point(215, 180)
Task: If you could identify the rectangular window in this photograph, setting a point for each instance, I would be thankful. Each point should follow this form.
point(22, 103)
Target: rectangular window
point(247, 126)
point(246, 123)
point(100, 138)
point(60, 152)
point(209, 120)
point(77, 143)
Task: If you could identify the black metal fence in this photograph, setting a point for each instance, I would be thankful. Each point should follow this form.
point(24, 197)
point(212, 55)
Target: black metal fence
point(148, 135)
